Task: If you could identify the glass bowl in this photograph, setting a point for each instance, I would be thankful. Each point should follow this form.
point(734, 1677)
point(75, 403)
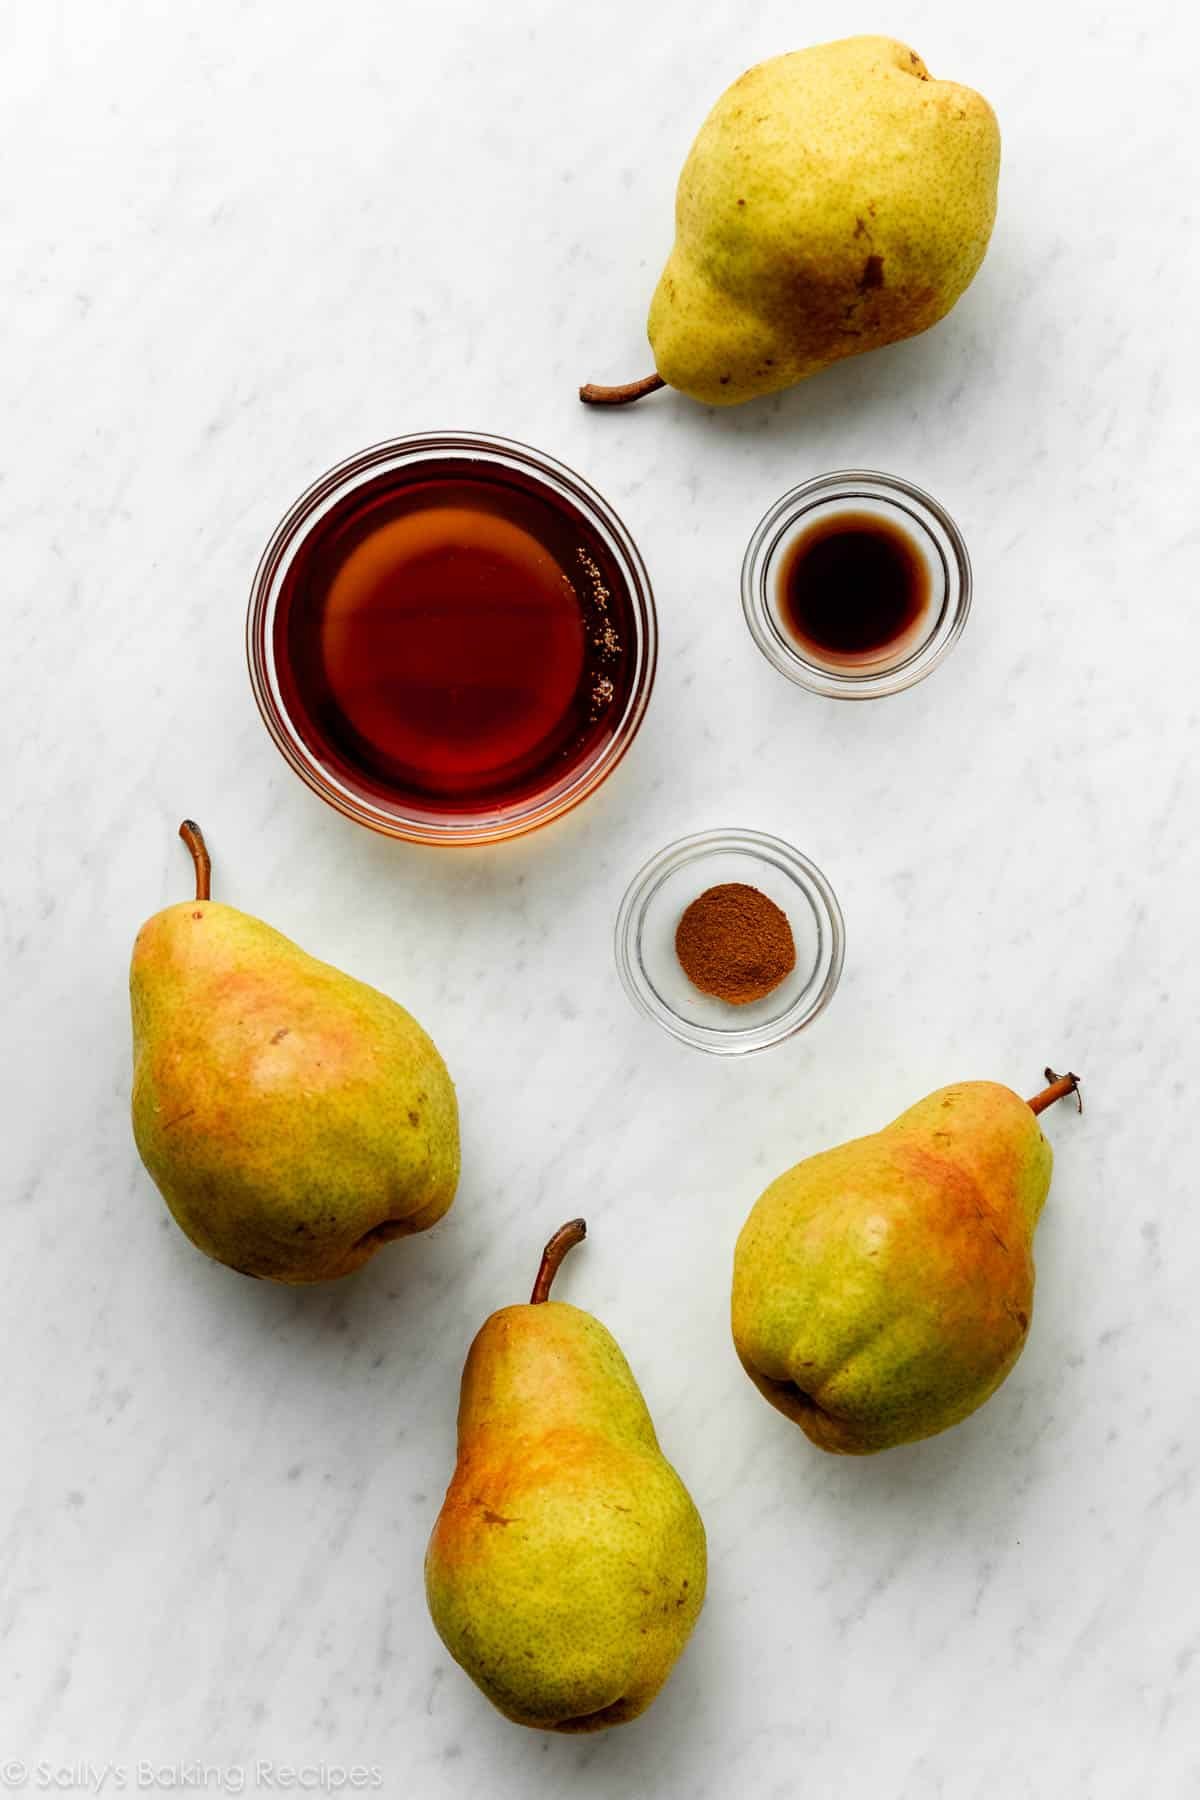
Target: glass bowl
point(433, 825)
point(927, 526)
point(645, 940)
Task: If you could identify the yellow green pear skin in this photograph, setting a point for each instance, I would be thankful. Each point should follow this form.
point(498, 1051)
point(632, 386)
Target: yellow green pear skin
point(567, 1566)
point(835, 200)
point(883, 1290)
point(294, 1119)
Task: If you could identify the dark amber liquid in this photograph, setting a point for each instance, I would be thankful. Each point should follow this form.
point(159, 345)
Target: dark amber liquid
point(454, 638)
point(854, 589)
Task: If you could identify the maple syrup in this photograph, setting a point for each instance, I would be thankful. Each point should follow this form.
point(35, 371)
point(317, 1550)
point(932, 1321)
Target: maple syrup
point(854, 589)
point(454, 636)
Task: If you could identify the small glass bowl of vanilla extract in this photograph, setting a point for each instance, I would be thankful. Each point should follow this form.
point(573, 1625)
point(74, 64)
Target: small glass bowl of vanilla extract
point(856, 584)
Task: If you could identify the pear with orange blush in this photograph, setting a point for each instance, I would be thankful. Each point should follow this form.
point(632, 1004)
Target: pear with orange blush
point(883, 1290)
point(294, 1119)
point(567, 1565)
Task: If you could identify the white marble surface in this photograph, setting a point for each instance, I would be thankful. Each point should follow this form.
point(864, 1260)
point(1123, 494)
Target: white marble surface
point(246, 239)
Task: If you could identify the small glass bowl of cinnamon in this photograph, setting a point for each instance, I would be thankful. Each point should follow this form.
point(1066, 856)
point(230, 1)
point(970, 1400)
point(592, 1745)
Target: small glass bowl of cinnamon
point(730, 940)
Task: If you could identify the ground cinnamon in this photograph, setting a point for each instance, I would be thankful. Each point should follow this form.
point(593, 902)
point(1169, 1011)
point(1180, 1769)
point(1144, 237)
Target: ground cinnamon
point(734, 943)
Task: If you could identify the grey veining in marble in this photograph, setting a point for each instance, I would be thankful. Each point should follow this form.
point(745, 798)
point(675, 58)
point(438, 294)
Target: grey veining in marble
point(245, 238)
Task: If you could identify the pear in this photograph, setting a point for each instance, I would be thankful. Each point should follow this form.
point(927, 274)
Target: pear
point(883, 1290)
point(567, 1565)
point(836, 199)
point(294, 1119)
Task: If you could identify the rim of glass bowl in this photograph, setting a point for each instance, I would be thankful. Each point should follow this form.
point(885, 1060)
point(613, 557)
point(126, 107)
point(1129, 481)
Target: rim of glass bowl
point(831, 940)
point(489, 826)
point(855, 484)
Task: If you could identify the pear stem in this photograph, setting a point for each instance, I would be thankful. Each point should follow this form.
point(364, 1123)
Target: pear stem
point(1060, 1087)
point(594, 393)
point(193, 837)
point(564, 1239)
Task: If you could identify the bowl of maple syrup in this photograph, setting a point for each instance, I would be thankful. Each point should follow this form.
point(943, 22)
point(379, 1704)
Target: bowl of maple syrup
point(452, 638)
point(856, 584)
